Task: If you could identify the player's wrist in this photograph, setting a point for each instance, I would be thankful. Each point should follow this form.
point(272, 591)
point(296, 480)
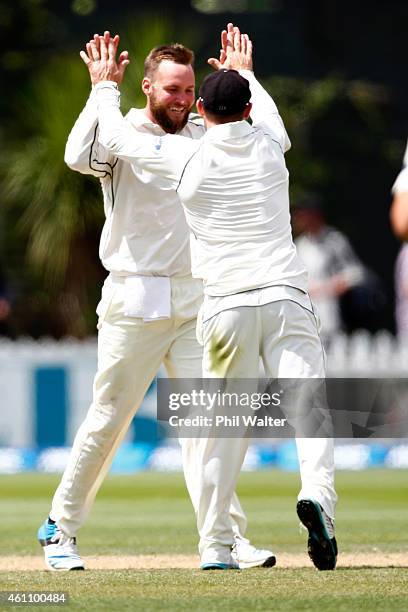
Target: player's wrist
point(105, 85)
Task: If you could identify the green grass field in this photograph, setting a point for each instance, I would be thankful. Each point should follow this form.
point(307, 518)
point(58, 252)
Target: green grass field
point(150, 514)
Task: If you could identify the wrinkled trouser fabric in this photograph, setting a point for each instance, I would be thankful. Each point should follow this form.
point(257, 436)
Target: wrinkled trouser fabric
point(130, 353)
point(285, 335)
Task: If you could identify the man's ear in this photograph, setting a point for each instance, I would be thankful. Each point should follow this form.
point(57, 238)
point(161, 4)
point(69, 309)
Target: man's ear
point(146, 86)
point(247, 110)
point(200, 107)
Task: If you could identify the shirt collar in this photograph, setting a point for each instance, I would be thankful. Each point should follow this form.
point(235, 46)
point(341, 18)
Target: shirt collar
point(138, 118)
point(235, 129)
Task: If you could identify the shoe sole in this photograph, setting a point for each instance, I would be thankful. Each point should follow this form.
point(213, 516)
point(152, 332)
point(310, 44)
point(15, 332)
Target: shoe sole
point(216, 566)
point(64, 569)
point(321, 549)
point(268, 562)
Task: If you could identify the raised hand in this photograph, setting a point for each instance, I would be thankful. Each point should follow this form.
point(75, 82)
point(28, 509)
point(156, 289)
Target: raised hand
point(235, 52)
point(215, 63)
point(100, 58)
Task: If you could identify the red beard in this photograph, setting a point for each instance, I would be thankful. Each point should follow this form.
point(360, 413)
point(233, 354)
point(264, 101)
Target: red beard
point(169, 125)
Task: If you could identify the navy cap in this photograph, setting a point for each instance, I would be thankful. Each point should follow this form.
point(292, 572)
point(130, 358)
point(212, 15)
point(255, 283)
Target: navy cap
point(225, 92)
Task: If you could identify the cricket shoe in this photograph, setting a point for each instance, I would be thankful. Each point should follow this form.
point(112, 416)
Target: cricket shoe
point(218, 559)
point(246, 555)
point(61, 553)
point(217, 565)
point(322, 545)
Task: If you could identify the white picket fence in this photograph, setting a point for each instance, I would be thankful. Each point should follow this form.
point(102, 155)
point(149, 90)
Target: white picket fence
point(360, 355)
point(369, 356)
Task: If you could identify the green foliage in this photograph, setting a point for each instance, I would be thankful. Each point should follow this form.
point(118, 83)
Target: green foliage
point(83, 7)
point(52, 212)
point(54, 205)
point(139, 38)
point(335, 113)
point(51, 216)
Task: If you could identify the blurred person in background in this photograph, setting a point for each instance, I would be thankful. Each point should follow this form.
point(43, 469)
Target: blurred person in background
point(149, 305)
point(332, 265)
point(399, 223)
point(399, 205)
point(401, 293)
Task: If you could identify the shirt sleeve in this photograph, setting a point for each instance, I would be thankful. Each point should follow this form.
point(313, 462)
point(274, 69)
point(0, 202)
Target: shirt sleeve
point(165, 156)
point(83, 152)
point(401, 183)
point(264, 113)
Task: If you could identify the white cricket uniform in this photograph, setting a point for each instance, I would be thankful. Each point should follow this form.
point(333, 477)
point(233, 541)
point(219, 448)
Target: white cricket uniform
point(147, 313)
point(401, 264)
point(325, 255)
point(233, 184)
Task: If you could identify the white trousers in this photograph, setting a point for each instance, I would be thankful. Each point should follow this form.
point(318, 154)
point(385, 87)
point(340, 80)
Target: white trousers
point(285, 335)
point(129, 354)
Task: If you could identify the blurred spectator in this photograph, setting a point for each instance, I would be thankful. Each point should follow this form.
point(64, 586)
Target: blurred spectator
point(399, 206)
point(401, 292)
point(333, 267)
point(399, 222)
point(5, 307)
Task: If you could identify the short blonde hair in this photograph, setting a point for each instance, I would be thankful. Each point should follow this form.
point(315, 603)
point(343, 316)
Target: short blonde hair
point(177, 53)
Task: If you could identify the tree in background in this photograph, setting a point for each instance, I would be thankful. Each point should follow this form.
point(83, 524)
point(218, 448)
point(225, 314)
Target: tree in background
point(346, 133)
point(54, 215)
point(53, 212)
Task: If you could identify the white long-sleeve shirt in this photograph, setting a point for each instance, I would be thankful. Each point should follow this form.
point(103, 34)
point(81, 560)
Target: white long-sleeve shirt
point(145, 232)
point(233, 183)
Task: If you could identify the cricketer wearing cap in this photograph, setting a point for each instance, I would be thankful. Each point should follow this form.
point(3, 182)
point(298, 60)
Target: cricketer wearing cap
point(233, 184)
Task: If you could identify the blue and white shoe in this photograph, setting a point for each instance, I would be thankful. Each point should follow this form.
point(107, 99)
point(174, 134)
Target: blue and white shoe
point(218, 558)
point(247, 556)
point(217, 565)
point(60, 550)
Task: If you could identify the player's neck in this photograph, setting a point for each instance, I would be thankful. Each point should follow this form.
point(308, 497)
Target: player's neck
point(149, 114)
